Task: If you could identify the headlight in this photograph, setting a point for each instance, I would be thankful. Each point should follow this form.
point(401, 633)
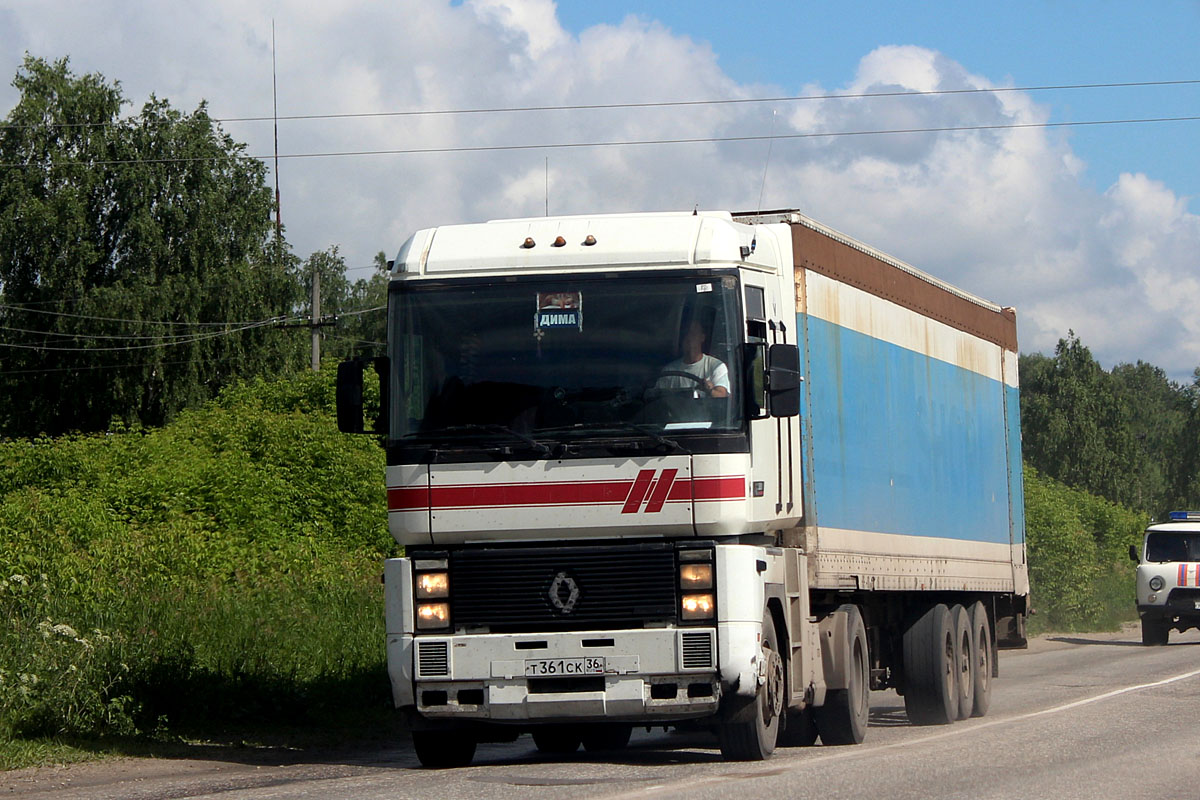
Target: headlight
point(697, 606)
point(1156, 583)
point(433, 584)
point(695, 576)
point(433, 615)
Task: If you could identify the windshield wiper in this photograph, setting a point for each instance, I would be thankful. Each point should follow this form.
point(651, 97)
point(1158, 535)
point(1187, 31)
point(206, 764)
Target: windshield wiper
point(488, 428)
point(651, 434)
point(608, 426)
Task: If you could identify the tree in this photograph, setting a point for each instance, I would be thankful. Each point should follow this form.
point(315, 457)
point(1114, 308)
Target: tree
point(361, 327)
point(1127, 435)
point(137, 263)
point(1072, 425)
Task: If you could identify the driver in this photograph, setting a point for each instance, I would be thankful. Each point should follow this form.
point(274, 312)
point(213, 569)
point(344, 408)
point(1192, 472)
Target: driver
point(712, 376)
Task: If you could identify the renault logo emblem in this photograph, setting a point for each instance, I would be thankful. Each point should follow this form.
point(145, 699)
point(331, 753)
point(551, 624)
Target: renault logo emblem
point(564, 593)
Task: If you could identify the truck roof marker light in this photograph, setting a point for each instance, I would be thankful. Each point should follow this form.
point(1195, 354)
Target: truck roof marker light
point(559, 242)
point(1184, 515)
point(589, 241)
point(529, 243)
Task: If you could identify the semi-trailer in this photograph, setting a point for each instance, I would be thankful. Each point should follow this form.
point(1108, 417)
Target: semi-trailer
point(729, 471)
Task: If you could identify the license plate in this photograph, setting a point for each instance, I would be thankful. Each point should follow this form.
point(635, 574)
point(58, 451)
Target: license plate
point(563, 667)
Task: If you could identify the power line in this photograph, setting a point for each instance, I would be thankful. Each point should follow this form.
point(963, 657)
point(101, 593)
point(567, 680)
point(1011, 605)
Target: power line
point(653, 104)
point(138, 321)
point(97, 336)
point(191, 340)
point(638, 142)
point(171, 339)
point(94, 367)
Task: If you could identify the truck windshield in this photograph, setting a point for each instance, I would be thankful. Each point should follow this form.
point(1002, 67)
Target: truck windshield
point(1162, 546)
point(566, 356)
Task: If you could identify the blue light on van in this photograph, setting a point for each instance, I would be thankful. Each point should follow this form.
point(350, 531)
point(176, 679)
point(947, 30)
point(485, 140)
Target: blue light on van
point(1179, 516)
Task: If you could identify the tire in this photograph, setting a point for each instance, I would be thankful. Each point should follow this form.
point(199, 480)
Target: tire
point(556, 740)
point(983, 659)
point(965, 656)
point(930, 693)
point(754, 739)
point(844, 716)
point(605, 737)
point(1155, 632)
point(443, 749)
point(799, 730)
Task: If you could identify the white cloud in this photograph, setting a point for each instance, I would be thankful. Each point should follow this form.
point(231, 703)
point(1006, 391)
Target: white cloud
point(1004, 213)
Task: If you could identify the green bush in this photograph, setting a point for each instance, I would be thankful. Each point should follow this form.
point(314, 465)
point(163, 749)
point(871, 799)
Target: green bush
point(223, 568)
point(1079, 570)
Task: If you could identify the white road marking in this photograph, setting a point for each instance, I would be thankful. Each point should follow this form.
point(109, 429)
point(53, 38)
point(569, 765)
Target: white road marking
point(852, 752)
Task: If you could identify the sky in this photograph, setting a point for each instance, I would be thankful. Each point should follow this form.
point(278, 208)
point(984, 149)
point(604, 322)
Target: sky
point(1093, 229)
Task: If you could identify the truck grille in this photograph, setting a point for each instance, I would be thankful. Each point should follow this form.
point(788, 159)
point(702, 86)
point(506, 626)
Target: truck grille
point(563, 588)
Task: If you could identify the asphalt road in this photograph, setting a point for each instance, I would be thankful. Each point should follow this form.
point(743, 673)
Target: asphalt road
point(1087, 716)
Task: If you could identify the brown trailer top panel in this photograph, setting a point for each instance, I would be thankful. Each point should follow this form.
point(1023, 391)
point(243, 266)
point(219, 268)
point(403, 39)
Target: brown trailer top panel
point(818, 251)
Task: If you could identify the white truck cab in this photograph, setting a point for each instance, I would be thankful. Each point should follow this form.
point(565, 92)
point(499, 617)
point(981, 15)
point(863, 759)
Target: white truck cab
point(1168, 577)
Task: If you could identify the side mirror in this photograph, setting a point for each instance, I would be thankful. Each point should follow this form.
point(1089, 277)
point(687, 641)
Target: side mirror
point(783, 380)
point(350, 400)
point(1133, 554)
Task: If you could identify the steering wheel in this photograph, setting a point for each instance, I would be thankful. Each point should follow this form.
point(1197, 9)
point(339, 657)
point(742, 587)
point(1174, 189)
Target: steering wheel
point(678, 373)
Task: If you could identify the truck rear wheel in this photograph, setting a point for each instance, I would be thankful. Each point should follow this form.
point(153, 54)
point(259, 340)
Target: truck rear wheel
point(443, 749)
point(800, 729)
point(843, 718)
point(1155, 631)
point(599, 738)
point(556, 740)
point(753, 739)
point(965, 653)
point(930, 690)
point(983, 659)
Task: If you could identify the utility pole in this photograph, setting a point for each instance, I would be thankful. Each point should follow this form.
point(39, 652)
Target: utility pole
point(316, 317)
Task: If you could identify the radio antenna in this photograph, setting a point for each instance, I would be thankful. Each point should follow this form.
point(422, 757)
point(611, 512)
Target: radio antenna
point(770, 141)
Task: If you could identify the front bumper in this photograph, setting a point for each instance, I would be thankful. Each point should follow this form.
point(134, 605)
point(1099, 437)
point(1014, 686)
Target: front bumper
point(650, 674)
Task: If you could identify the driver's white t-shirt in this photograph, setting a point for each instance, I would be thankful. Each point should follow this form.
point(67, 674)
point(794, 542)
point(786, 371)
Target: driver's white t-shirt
point(709, 368)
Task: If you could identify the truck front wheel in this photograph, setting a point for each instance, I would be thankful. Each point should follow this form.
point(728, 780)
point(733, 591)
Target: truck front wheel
point(443, 749)
point(753, 738)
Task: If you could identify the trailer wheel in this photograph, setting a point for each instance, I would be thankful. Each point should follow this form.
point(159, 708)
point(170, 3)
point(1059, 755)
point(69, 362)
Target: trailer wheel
point(754, 739)
point(606, 737)
point(965, 656)
point(983, 659)
point(558, 740)
point(443, 749)
point(1155, 632)
point(930, 693)
point(843, 718)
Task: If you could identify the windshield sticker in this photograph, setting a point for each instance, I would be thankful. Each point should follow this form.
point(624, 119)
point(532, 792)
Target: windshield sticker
point(557, 310)
point(703, 287)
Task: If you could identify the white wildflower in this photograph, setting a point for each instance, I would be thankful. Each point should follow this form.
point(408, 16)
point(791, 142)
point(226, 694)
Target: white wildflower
point(63, 629)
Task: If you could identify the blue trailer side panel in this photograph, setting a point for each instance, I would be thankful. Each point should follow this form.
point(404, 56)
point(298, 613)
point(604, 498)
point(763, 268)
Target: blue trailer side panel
point(902, 442)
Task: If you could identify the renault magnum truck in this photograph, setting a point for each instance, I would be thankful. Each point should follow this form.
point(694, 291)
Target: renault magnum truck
point(702, 470)
point(1168, 577)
